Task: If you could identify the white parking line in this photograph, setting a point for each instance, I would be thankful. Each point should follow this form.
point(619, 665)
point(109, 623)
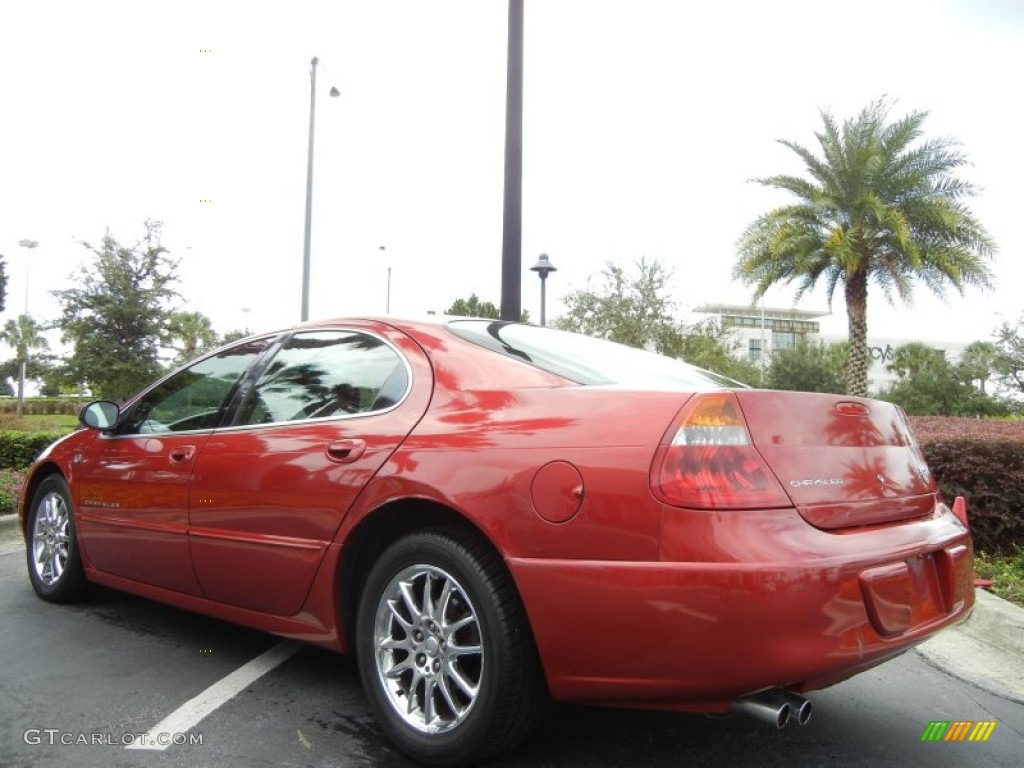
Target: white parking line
point(188, 715)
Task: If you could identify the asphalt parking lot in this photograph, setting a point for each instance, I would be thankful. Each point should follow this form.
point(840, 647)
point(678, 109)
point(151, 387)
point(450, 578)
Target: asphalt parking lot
point(109, 670)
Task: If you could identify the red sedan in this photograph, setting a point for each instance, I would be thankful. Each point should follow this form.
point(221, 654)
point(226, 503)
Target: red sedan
point(488, 514)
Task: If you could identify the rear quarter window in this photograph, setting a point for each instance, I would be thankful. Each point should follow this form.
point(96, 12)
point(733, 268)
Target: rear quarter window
point(585, 359)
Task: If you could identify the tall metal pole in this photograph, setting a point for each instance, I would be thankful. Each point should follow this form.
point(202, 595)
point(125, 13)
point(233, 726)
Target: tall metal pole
point(309, 191)
point(543, 300)
point(511, 250)
point(387, 304)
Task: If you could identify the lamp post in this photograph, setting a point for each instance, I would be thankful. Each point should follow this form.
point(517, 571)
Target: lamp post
point(543, 268)
point(512, 207)
point(387, 303)
point(28, 245)
point(309, 186)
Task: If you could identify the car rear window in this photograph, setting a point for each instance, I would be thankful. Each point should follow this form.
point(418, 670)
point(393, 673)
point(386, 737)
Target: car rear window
point(585, 359)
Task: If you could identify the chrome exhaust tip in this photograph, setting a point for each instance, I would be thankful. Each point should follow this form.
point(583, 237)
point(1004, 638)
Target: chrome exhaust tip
point(800, 707)
point(768, 706)
point(777, 707)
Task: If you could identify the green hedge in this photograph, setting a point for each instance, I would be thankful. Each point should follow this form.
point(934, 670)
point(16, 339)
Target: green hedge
point(983, 461)
point(42, 406)
point(19, 449)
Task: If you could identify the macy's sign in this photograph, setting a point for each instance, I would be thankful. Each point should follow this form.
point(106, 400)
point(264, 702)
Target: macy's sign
point(881, 354)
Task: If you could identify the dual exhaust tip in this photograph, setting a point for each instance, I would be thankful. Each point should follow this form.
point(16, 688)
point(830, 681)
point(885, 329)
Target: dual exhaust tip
point(776, 707)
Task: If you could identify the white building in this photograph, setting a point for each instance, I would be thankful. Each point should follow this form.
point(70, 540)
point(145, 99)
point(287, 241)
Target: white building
point(764, 330)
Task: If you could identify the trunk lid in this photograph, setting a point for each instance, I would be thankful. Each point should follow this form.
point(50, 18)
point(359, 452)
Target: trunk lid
point(844, 461)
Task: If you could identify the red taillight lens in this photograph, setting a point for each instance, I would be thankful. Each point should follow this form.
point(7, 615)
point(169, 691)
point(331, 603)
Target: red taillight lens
point(707, 460)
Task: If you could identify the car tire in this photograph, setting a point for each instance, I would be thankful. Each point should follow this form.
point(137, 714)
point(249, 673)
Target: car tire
point(54, 563)
point(445, 652)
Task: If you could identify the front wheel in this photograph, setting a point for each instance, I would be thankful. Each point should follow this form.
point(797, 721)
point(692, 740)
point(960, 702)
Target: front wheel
point(445, 653)
point(54, 565)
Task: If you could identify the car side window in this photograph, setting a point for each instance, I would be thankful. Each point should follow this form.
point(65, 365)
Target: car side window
point(320, 374)
point(194, 398)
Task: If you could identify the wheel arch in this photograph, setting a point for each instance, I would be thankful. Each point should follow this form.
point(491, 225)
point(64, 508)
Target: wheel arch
point(376, 532)
point(32, 483)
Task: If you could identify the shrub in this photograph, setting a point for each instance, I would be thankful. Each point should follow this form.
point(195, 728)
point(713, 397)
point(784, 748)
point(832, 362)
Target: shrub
point(983, 461)
point(1006, 572)
point(19, 449)
point(10, 484)
point(42, 406)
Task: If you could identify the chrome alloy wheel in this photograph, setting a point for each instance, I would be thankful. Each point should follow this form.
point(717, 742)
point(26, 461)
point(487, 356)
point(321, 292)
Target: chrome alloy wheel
point(50, 539)
point(429, 653)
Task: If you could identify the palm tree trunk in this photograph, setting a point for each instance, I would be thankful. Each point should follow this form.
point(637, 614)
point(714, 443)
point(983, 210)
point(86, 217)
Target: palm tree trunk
point(857, 317)
point(22, 351)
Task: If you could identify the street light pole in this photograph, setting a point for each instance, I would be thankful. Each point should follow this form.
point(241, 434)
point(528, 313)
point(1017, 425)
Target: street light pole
point(387, 304)
point(512, 212)
point(28, 245)
point(309, 187)
point(543, 268)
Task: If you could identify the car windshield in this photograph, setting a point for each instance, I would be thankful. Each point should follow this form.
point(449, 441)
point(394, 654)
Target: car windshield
point(585, 359)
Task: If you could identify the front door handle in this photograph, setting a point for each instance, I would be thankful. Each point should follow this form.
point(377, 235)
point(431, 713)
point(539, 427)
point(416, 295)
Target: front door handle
point(181, 454)
point(344, 451)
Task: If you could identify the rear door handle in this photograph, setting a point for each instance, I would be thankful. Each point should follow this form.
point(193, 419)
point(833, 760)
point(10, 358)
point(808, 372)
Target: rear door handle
point(181, 454)
point(344, 451)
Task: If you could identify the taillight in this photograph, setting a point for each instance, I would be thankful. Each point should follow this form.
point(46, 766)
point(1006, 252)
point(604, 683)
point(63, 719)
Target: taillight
point(708, 461)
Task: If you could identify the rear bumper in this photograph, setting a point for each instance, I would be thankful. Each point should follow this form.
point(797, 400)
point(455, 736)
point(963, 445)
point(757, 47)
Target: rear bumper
point(697, 635)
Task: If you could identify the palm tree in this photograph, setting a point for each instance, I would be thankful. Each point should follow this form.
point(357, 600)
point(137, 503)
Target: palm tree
point(978, 362)
point(194, 334)
point(911, 360)
point(26, 336)
point(876, 209)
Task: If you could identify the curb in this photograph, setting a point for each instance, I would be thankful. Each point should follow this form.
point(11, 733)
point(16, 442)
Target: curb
point(986, 650)
point(11, 539)
point(997, 621)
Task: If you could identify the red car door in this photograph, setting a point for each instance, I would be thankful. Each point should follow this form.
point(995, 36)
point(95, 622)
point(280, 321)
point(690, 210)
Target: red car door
point(132, 484)
point(269, 492)
point(133, 507)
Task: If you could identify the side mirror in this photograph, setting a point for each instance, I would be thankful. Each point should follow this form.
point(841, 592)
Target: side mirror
point(102, 414)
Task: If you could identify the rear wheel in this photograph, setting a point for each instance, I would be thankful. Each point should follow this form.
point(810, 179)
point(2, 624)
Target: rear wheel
point(445, 652)
point(54, 565)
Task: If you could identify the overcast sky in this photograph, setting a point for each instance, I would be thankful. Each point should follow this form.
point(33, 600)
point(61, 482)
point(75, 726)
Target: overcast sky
point(644, 121)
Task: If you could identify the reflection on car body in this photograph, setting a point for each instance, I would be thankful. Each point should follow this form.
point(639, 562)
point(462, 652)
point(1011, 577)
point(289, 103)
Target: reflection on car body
point(466, 505)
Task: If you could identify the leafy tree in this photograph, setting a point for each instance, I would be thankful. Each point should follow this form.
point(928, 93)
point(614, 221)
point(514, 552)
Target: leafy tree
point(809, 367)
point(1009, 363)
point(706, 345)
point(190, 334)
point(58, 380)
point(978, 362)
point(473, 307)
point(632, 309)
point(930, 385)
point(8, 377)
point(913, 359)
point(118, 315)
point(3, 282)
point(635, 309)
point(25, 335)
point(877, 208)
point(235, 335)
